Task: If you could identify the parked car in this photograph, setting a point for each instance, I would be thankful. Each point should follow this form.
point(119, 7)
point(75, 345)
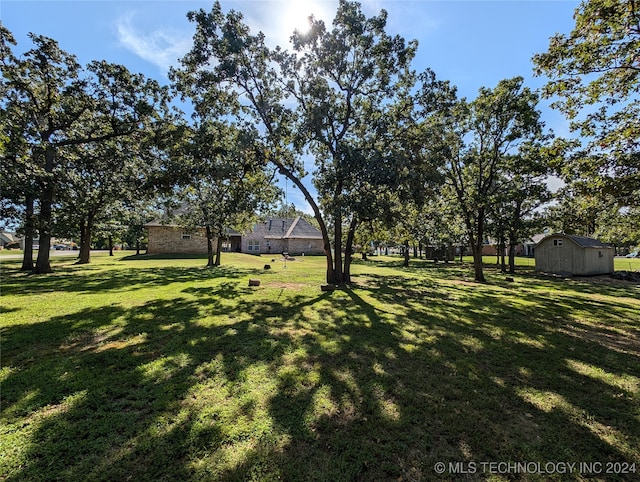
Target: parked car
point(635, 254)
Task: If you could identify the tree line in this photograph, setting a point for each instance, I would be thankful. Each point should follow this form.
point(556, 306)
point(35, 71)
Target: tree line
point(397, 153)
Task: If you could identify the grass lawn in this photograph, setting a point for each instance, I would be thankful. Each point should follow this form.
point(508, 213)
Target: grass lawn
point(147, 369)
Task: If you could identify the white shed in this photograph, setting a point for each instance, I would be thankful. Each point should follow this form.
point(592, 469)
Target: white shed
point(573, 255)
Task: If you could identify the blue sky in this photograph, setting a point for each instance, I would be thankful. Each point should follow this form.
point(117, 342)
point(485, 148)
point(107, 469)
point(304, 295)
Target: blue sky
point(471, 43)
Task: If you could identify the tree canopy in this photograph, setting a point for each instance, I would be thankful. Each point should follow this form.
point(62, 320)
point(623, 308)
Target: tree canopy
point(594, 77)
point(331, 97)
point(65, 107)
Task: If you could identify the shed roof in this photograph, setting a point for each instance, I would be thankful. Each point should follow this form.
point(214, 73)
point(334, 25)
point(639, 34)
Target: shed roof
point(586, 242)
point(581, 241)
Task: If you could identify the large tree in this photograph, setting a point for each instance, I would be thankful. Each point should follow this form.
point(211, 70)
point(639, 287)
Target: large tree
point(524, 191)
point(18, 180)
point(475, 141)
point(336, 86)
point(225, 182)
point(594, 77)
point(68, 105)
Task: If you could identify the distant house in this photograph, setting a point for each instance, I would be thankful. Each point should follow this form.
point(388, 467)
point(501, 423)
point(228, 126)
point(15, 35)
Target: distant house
point(526, 248)
point(529, 246)
point(573, 255)
point(7, 238)
point(169, 238)
point(274, 236)
point(293, 236)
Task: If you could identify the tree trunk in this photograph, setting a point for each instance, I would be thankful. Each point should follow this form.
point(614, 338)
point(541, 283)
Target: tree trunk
point(338, 276)
point(85, 242)
point(137, 247)
point(218, 251)
point(43, 264)
point(348, 251)
point(415, 251)
point(512, 258)
point(503, 247)
point(477, 263)
point(110, 238)
point(512, 252)
point(210, 261)
point(27, 257)
point(331, 277)
point(42, 261)
point(476, 247)
point(406, 254)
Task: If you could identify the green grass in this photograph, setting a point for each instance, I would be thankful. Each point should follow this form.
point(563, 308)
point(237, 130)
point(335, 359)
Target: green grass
point(626, 264)
point(619, 263)
point(150, 369)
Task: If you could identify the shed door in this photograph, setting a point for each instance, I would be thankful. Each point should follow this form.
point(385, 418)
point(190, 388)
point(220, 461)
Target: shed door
point(559, 257)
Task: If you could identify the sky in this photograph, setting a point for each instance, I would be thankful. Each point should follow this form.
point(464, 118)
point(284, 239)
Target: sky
point(472, 43)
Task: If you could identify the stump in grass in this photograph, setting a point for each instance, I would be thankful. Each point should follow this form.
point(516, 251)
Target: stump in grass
point(510, 279)
point(267, 266)
point(328, 287)
point(254, 282)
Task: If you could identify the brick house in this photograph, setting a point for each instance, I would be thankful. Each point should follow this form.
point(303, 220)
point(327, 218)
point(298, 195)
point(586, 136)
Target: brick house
point(274, 236)
point(293, 236)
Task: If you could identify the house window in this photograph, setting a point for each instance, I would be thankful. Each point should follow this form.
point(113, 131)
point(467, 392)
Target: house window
point(186, 236)
point(557, 242)
point(253, 246)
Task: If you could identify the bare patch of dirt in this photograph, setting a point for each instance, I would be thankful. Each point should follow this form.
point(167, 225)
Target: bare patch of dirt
point(287, 286)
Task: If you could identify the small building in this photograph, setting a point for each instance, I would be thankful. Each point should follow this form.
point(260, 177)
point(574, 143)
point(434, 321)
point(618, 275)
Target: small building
point(573, 255)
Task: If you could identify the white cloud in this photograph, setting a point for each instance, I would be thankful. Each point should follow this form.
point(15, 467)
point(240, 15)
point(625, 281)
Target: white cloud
point(162, 48)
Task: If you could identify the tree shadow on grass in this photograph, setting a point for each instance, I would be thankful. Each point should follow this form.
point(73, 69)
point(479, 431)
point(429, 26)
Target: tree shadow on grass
point(377, 382)
point(106, 392)
point(91, 279)
point(533, 354)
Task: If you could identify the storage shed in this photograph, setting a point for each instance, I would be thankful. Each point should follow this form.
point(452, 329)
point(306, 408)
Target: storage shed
point(573, 255)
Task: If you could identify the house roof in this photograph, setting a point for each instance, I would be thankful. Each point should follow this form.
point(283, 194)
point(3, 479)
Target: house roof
point(9, 237)
point(536, 238)
point(156, 223)
point(287, 228)
point(582, 241)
